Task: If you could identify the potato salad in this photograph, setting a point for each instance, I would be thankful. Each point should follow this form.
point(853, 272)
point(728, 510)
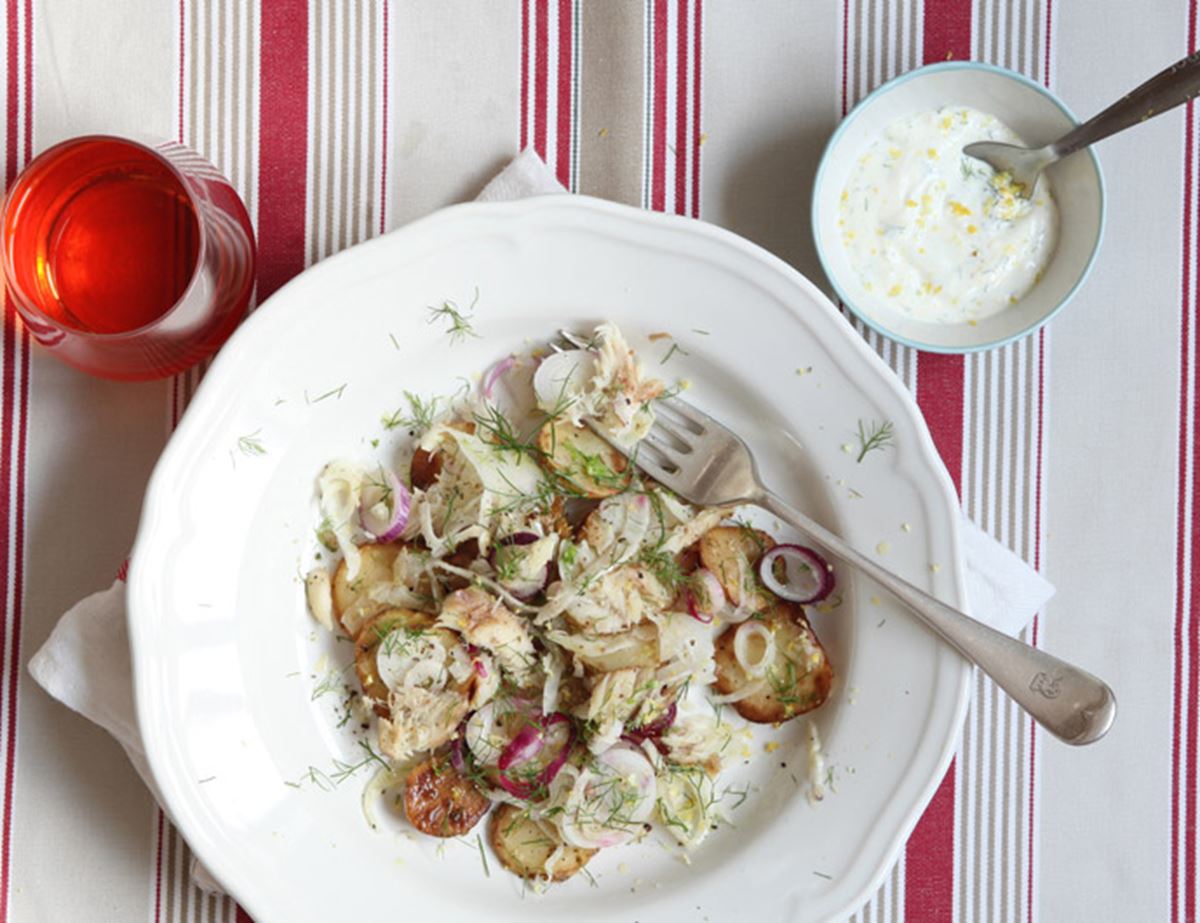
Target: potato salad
point(543, 636)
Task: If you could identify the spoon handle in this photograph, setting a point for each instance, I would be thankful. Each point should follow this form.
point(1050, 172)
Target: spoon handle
point(1173, 87)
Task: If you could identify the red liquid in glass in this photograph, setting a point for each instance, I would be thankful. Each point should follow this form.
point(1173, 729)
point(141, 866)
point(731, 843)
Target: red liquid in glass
point(127, 261)
point(115, 253)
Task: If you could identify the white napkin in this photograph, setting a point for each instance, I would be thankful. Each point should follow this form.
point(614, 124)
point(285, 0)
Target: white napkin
point(85, 662)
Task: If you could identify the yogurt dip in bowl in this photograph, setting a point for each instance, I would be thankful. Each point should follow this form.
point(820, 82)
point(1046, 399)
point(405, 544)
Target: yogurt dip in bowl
point(933, 248)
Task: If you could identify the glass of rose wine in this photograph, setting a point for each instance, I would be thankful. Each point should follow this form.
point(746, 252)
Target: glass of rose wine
point(124, 260)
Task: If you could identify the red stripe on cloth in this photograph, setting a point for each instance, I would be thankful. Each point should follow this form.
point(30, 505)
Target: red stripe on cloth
point(845, 57)
point(940, 396)
point(681, 101)
point(658, 128)
point(929, 859)
point(14, 399)
point(14, 103)
point(1180, 792)
point(929, 855)
point(1046, 56)
point(565, 114)
point(158, 857)
point(947, 31)
point(541, 54)
point(524, 74)
point(243, 917)
point(283, 142)
point(8, 538)
point(698, 39)
point(1192, 611)
point(383, 160)
point(28, 81)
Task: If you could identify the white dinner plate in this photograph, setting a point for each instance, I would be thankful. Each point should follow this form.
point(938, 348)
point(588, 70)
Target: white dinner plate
point(227, 659)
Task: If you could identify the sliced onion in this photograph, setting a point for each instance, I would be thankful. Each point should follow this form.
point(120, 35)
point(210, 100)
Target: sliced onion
point(563, 378)
point(528, 744)
point(560, 759)
point(712, 594)
point(383, 510)
point(624, 783)
point(741, 648)
point(481, 737)
point(494, 373)
point(808, 578)
point(703, 597)
point(654, 729)
point(525, 746)
point(457, 760)
point(693, 610)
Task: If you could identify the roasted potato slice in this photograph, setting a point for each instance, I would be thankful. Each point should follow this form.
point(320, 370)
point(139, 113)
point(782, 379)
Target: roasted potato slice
point(524, 846)
point(441, 801)
point(351, 603)
point(373, 633)
point(732, 554)
point(798, 679)
point(583, 461)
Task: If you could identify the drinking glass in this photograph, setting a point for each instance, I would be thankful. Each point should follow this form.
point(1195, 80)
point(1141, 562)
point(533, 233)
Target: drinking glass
point(124, 260)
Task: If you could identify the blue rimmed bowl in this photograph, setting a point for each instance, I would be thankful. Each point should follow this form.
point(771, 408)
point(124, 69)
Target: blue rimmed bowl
point(1035, 114)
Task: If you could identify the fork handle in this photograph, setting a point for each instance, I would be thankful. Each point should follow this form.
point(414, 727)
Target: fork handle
point(1070, 703)
point(1165, 90)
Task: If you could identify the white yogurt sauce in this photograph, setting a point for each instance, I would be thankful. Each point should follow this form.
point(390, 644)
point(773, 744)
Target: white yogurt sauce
point(938, 234)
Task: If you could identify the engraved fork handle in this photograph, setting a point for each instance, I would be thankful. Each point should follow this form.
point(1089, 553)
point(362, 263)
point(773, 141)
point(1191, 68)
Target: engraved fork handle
point(1070, 703)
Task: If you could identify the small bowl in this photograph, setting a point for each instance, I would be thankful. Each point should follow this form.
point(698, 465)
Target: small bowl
point(1035, 114)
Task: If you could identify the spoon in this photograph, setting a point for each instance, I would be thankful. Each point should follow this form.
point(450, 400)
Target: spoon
point(1171, 88)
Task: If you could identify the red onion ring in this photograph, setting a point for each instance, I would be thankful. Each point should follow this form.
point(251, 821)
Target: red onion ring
point(494, 373)
point(457, 760)
point(689, 599)
point(393, 495)
point(525, 746)
point(809, 578)
point(533, 743)
point(654, 729)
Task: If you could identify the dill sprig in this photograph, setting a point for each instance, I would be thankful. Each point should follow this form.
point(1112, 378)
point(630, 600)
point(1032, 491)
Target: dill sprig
point(340, 772)
point(250, 445)
point(664, 566)
point(498, 430)
point(483, 856)
point(873, 436)
point(330, 682)
point(595, 467)
point(420, 416)
point(458, 320)
point(332, 392)
point(675, 348)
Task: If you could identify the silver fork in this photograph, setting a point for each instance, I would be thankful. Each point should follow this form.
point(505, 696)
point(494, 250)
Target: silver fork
point(707, 464)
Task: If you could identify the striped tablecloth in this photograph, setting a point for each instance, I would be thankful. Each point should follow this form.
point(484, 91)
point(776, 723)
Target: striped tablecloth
point(339, 119)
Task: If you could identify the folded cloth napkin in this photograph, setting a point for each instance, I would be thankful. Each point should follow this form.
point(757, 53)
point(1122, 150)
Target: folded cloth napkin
point(85, 663)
